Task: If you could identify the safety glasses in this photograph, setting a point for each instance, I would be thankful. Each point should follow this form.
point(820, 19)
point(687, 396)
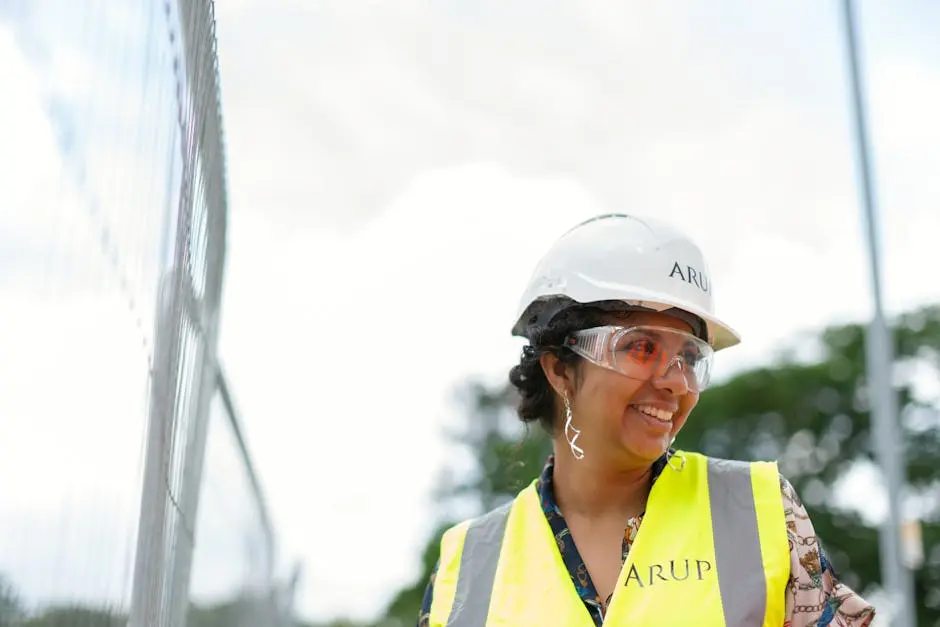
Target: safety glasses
point(645, 352)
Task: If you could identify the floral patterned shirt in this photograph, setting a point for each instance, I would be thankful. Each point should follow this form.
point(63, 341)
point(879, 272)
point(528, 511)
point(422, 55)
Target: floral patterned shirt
point(814, 596)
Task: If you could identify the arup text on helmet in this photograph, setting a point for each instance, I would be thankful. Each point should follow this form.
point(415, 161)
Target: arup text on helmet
point(691, 275)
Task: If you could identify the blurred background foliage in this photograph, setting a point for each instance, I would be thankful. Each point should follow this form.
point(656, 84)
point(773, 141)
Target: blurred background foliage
point(809, 410)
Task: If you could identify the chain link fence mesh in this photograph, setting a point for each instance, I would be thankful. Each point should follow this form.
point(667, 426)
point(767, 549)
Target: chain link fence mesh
point(120, 450)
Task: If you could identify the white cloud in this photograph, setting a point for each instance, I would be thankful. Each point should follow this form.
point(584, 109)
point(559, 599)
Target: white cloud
point(456, 130)
point(232, 550)
point(395, 172)
point(81, 225)
point(74, 378)
point(366, 354)
point(74, 373)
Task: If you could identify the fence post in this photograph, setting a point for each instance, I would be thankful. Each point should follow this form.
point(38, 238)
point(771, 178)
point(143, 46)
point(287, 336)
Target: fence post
point(186, 335)
point(148, 594)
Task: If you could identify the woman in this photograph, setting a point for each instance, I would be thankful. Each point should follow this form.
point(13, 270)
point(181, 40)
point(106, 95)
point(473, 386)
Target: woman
point(620, 528)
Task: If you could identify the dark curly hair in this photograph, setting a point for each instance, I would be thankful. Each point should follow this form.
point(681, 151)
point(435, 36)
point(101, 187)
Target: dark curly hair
point(536, 396)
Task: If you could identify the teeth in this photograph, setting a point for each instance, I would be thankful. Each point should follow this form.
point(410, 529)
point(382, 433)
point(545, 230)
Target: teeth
point(658, 414)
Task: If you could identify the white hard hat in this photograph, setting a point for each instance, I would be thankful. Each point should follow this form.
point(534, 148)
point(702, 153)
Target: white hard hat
point(641, 262)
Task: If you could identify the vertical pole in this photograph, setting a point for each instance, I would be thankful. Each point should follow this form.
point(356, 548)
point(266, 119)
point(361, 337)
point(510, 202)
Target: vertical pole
point(887, 437)
point(149, 594)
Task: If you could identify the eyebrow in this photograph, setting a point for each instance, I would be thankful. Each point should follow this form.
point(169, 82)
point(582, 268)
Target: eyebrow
point(657, 335)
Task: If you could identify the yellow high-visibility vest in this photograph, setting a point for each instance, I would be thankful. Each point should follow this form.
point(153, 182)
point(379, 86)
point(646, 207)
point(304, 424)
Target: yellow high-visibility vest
point(712, 550)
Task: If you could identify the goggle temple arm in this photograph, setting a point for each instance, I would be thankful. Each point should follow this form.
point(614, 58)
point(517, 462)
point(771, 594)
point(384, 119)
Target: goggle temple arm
point(589, 343)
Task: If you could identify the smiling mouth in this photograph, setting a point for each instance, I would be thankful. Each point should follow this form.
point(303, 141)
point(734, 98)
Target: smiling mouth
point(654, 412)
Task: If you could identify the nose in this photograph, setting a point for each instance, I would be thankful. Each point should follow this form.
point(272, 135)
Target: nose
point(674, 378)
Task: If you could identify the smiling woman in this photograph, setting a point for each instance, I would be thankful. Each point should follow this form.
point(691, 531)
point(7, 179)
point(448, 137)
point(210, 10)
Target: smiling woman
point(619, 316)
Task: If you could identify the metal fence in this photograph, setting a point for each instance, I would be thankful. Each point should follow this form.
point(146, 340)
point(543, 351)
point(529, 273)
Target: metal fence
point(235, 568)
point(123, 462)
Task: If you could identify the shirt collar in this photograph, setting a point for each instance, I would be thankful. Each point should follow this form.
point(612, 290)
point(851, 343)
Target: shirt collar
point(545, 484)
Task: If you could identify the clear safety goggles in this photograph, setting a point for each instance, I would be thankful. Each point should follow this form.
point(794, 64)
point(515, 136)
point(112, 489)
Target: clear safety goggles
point(645, 352)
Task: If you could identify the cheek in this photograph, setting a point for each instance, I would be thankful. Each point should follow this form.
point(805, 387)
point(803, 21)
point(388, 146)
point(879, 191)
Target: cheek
point(605, 393)
point(686, 404)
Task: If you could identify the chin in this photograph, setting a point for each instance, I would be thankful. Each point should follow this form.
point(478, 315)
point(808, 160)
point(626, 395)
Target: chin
point(646, 452)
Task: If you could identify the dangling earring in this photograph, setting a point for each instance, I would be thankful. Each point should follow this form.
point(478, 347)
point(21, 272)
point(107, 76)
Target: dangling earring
point(681, 462)
point(576, 450)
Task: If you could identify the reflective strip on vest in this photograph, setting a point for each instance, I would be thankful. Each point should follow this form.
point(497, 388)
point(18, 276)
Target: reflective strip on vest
point(741, 578)
point(478, 568)
point(737, 542)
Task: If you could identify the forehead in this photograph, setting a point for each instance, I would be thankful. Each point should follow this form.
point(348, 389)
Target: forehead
point(649, 318)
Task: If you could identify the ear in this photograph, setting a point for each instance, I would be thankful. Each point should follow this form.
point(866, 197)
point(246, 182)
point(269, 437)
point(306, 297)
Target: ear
point(560, 376)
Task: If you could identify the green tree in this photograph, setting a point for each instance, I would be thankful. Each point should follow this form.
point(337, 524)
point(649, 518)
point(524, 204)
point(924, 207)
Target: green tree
point(811, 415)
point(503, 456)
point(404, 607)
point(225, 614)
point(11, 609)
point(246, 609)
point(77, 616)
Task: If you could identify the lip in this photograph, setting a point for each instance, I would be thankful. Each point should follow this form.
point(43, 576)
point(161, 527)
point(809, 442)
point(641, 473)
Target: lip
point(672, 408)
point(653, 423)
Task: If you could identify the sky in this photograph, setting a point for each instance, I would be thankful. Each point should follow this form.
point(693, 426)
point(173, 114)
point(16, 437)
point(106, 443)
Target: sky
point(78, 269)
point(395, 171)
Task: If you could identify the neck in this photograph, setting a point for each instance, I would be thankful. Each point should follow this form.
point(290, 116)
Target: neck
point(595, 488)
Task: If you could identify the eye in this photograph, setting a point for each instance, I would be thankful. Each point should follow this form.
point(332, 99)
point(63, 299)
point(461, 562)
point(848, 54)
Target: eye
point(692, 355)
point(641, 349)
